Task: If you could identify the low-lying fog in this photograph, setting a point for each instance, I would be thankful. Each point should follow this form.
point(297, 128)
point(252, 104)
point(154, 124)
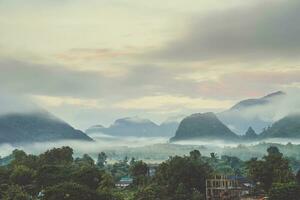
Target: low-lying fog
point(157, 149)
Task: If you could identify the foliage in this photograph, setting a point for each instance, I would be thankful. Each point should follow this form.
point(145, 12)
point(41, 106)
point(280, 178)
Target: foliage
point(274, 168)
point(57, 156)
point(101, 159)
point(280, 191)
point(70, 191)
point(184, 175)
point(56, 175)
point(21, 175)
point(15, 192)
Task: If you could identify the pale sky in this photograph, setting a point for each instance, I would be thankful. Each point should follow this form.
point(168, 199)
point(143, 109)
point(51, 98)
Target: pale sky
point(92, 61)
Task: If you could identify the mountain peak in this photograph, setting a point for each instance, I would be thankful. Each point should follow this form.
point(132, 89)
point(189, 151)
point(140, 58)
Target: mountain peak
point(274, 94)
point(205, 125)
point(250, 134)
point(38, 126)
point(257, 101)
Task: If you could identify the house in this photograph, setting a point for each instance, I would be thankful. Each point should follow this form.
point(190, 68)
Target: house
point(124, 182)
point(227, 188)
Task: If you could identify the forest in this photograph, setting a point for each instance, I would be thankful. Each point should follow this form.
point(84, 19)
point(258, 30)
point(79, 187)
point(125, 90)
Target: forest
point(56, 174)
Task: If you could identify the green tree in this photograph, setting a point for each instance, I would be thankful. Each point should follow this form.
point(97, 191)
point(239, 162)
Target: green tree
point(273, 168)
point(195, 155)
point(15, 192)
point(21, 158)
point(88, 176)
point(139, 168)
point(4, 175)
point(57, 156)
point(86, 160)
point(49, 175)
point(149, 192)
point(101, 161)
point(139, 171)
point(22, 175)
point(298, 177)
point(70, 191)
point(183, 175)
point(280, 191)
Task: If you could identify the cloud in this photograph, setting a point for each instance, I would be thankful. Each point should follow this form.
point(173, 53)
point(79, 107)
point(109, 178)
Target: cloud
point(278, 108)
point(268, 30)
point(172, 102)
point(88, 54)
point(15, 104)
point(249, 83)
point(51, 101)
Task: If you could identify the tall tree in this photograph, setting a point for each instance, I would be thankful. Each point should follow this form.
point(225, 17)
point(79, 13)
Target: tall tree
point(273, 168)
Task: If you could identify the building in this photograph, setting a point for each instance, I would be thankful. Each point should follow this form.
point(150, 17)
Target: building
point(124, 182)
point(227, 188)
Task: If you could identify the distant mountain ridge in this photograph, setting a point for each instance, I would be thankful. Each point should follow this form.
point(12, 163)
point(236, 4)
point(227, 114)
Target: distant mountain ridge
point(244, 104)
point(248, 113)
point(287, 127)
point(137, 127)
point(38, 126)
point(203, 126)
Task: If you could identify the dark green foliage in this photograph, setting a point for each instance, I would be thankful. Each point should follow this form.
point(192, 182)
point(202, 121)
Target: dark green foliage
point(274, 168)
point(195, 155)
point(57, 156)
point(15, 192)
point(298, 177)
point(138, 168)
point(22, 175)
point(185, 175)
point(49, 175)
point(54, 175)
point(86, 160)
point(70, 191)
point(139, 171)
point(4, 175)
point(88, 176)
point(101, 159)
point(119, 169)
point(280, 191)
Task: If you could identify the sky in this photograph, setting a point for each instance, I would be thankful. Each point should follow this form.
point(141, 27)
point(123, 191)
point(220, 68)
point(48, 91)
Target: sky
point(93, 61)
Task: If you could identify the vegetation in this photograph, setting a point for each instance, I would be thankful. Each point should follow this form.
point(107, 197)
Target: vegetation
point(55, 174)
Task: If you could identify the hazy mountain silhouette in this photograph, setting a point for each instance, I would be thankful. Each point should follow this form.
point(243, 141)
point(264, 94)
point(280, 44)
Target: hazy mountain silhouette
point(203, 126)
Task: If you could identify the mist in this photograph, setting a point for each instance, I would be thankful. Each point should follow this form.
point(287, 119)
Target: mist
point(156, 149)
point(11, 103)
point(101, 143)
point(277, 108)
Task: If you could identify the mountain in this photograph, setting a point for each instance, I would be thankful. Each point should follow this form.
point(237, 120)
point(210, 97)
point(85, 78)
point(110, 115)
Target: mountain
point(287, 127)
point(137, 127)
point(257, 102)
point(250, 134)
point(94, 129)
point(203, 126)
point(251, 112)
point(37, 126)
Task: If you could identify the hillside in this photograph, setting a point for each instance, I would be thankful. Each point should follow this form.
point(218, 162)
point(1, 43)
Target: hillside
point(251, 112)
point(39, 126)
point(203, 126)
point(137, 127)
point(287, 127)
